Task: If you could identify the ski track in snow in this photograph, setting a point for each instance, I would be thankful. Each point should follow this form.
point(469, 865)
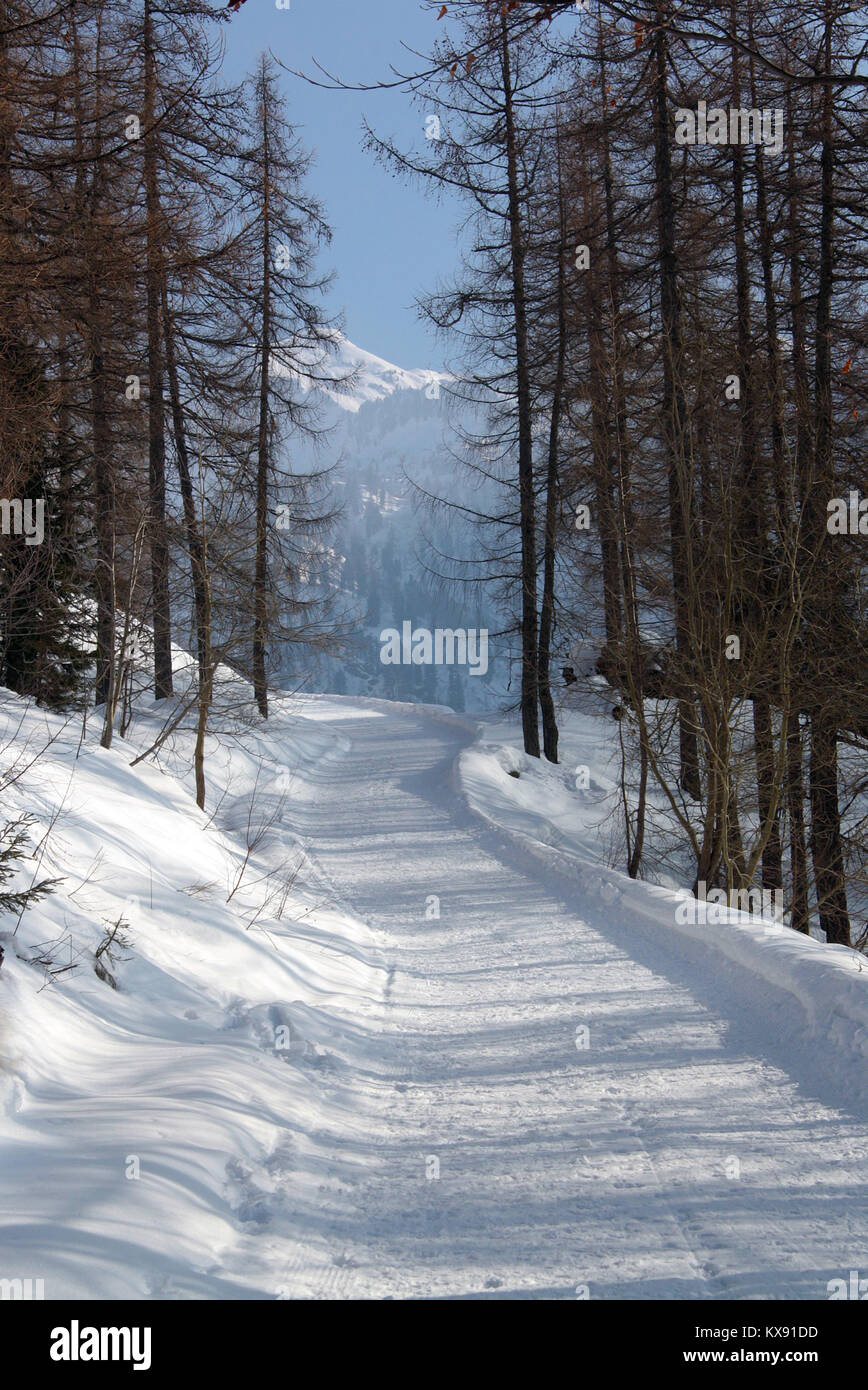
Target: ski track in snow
point(608, 1170)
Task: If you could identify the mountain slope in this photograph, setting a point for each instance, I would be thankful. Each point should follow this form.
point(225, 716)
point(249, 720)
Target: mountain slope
point(392, 437)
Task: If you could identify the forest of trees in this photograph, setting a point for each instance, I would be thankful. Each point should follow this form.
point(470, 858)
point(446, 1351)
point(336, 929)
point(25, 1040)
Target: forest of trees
point(660, 310)
point(159, 303)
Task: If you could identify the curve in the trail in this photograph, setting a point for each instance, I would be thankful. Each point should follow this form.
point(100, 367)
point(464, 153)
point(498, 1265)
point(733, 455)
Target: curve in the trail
point(500, 1157)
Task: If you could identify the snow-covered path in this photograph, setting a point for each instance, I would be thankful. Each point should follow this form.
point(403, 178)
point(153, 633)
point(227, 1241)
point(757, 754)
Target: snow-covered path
point(478, 1151)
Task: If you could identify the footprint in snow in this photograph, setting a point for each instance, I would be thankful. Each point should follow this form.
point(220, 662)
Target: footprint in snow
point(254, 1213)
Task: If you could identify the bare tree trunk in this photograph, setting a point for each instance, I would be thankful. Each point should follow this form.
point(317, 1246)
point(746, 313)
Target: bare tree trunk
point(826, 849)
point(196, 546)
point(800, 913)
point(547, 611)
point(159, 541)
point(681, 511)
point(601, 432)
point(827, 633)
point(260, 599)
point(205, 697)
point(750, 533)
point(783, 493)
point(529, 641)
point(625, 520)
point(103, 474)
point(87, 216)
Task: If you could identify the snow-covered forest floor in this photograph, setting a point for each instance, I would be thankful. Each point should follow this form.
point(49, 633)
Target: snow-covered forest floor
point(386, 1025)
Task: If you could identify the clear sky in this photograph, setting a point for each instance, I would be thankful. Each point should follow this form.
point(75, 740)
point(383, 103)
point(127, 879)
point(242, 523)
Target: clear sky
point(392, 241)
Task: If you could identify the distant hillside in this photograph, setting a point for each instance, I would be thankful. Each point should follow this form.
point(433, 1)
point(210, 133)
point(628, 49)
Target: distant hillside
point(390, 430)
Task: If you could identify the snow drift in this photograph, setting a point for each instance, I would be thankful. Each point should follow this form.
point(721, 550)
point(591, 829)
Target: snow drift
point(819, 991)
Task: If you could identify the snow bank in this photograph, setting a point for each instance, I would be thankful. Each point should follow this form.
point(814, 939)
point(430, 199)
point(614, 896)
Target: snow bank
point(146, 1131)
point(820, 991)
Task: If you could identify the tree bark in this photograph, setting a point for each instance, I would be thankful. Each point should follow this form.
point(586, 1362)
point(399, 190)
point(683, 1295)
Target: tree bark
point(529, 638)
point(828, 631)
point(159, 541)
point(260, 597)
point(195, 544)
point(681, 509)
point(547, 611)
point(751, 558)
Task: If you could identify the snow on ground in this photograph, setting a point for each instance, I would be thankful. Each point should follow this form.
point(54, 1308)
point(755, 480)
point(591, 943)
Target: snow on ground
point(819, 990)
point(508, 1073)
point(133, 1119)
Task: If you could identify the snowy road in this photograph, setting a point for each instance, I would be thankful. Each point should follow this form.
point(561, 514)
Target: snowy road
point(670, 1158)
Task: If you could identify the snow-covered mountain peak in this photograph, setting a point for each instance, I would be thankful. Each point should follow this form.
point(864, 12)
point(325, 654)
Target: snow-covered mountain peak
point(376, 378)
point(368, 377)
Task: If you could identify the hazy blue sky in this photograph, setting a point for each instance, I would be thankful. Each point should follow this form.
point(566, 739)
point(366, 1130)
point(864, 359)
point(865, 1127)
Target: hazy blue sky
point(391, 240)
